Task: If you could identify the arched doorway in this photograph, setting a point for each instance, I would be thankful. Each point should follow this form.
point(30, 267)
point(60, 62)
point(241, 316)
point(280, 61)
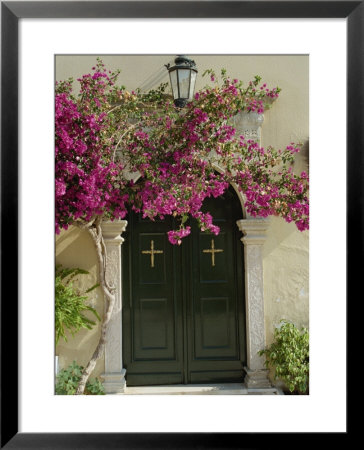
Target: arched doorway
point(183, 306)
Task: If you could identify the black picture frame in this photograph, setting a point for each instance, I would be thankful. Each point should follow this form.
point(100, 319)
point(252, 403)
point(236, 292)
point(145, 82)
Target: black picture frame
point(11, 12)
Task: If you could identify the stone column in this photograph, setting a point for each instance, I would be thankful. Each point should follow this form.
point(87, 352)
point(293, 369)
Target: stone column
point(253, 240)
point(114, 376)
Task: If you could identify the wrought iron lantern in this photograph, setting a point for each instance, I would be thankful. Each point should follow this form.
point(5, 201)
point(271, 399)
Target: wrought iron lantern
point(183, 78)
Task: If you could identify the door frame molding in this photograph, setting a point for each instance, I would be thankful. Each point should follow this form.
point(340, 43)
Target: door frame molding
point(254, 236)
point(254, 231)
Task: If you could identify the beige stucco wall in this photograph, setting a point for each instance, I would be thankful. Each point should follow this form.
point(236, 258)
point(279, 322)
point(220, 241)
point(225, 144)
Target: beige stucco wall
point(74, 248)
point(286, 256)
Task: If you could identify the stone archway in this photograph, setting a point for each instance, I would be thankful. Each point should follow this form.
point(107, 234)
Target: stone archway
point(253, 239)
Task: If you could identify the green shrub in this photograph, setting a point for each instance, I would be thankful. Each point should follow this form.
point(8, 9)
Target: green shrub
point(70, 303)
point(289, 356)
point(68, 379)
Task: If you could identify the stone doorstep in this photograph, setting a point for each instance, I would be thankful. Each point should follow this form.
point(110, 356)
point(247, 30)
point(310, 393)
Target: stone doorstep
point(201, 389)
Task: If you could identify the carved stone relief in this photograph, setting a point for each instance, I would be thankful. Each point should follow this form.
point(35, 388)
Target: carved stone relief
point(114, 376)
point(253, 240)
point(249, 125)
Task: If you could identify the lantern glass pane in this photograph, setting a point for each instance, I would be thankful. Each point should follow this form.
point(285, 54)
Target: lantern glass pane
point(184, 82)
point(174, 84)
point(192, 86)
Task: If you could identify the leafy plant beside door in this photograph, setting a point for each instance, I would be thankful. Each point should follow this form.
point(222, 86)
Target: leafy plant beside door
point(70, 303)
point(69, 378)
point(289, 356)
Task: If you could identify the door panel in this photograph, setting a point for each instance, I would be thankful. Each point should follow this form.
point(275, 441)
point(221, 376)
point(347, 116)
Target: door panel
point(183, 308)
point(216, 324)
point(152, 322)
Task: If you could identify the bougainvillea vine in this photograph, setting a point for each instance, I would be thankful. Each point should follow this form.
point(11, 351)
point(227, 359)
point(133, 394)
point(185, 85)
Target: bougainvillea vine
point(117, 151)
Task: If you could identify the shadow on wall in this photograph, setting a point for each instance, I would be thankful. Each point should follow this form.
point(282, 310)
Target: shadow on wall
point(75, 248)
point(305, 152)
point(82, 356)
point(80, 348)
point(284, 236)
point(302, 159)
point(286, 273)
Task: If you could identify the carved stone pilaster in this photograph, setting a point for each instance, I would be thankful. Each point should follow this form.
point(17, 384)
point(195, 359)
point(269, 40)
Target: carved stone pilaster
point(249, 125)
point(254, 237)
point(114, 376)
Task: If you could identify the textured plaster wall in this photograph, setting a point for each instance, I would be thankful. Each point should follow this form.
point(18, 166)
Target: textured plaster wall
point(74, 248)
point(285, 254)
point(286, 276)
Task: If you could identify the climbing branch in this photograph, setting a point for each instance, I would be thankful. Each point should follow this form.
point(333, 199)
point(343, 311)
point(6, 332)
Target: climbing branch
point(95, 232)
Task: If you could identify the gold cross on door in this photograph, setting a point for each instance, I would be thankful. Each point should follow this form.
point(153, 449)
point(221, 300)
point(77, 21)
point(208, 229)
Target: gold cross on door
point(152, 252)
point(212, 250)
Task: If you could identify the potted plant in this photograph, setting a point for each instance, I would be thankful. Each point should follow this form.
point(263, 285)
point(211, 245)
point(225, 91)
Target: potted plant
point(288, 356)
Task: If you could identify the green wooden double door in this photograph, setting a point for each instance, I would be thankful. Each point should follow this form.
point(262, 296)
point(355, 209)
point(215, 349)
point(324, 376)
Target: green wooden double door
point(183, 306)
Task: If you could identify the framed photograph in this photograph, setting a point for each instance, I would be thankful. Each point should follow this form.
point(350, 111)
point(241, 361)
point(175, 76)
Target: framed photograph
point(32, 34)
